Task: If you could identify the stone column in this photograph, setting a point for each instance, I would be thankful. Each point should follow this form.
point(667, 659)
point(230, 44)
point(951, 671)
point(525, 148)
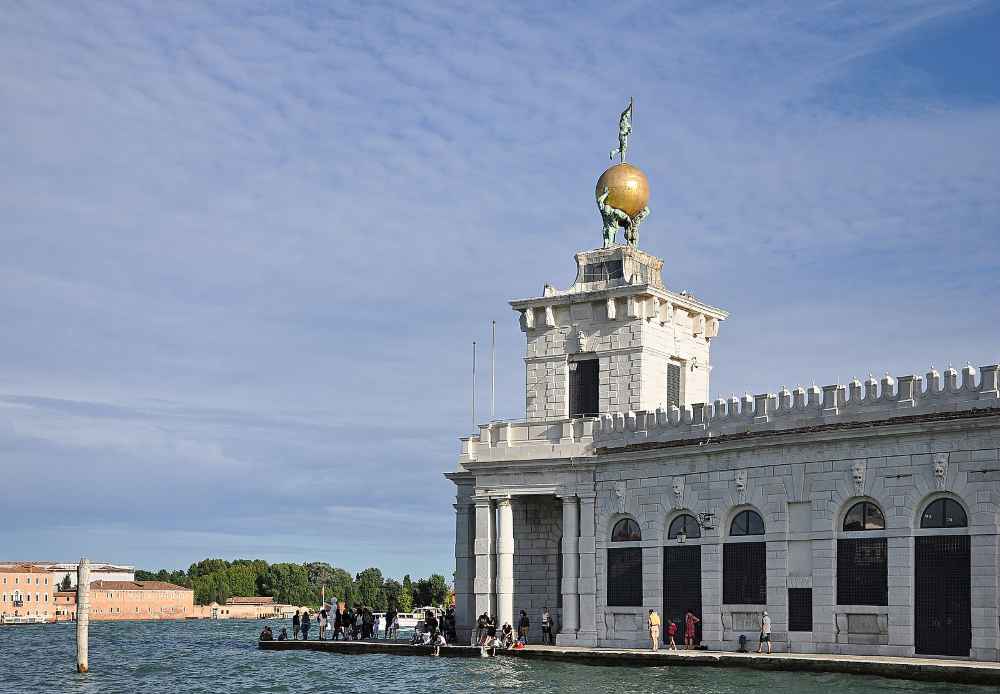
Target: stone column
point(465, 571)
point(484, 584)
point(570, 570)
point(505, 563)
point(587, 584)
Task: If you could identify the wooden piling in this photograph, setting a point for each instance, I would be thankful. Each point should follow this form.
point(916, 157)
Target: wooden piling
point(82, 614)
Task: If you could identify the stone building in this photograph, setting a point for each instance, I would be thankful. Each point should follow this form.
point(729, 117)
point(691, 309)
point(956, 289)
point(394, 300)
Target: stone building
point(862, 517)
point(26, 594)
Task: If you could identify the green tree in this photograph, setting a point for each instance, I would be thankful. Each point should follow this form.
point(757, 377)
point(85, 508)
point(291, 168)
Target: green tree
point(286, 583)
point(207, 566)
point(368, 585)
point(66, 584)
point(392, 590)
point(431, 591)
point(406, 595)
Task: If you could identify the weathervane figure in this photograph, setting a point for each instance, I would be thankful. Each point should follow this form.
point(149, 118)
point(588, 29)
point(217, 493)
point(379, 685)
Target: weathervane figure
point(624, 130)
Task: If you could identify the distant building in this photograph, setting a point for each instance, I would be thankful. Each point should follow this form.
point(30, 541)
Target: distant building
point(65, 602)
point(249, 607)
point(114, 600)
point(99, 571)
point(26, 594)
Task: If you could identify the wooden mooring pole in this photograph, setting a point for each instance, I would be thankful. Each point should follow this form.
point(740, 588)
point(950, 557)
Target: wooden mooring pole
point(82, 614)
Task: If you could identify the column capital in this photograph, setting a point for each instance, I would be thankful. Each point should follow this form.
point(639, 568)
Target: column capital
point(503, 502)
point(481, 501)
point(587, 496)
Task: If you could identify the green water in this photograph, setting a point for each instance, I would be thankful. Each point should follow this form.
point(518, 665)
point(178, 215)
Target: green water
point(207, 656)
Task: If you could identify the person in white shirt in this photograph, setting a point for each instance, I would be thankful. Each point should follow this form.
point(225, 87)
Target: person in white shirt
point(765, 632)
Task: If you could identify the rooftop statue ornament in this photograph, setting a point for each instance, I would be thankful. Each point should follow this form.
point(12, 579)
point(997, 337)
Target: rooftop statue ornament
point(623, 190)
point(624, 130)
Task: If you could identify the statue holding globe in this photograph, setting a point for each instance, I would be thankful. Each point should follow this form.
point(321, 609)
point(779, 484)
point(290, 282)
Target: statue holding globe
point(622, 191)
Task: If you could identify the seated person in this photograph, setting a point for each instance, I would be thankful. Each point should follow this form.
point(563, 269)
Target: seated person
point(283, 636)
point(266, 634)
point(506, 636)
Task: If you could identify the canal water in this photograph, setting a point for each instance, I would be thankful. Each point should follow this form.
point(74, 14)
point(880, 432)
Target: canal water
point(221, 656)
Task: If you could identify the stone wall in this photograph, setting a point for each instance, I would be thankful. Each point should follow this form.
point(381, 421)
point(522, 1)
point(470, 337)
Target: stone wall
point(537, 535)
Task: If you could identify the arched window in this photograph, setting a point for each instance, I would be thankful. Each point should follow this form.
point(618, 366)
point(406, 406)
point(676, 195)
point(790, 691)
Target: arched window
point(626, 530)
point(944, 513)
point(864, 515)
point(747, 523)
point(686, 524)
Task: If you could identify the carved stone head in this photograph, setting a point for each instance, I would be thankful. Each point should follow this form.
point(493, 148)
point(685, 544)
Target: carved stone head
point(620, 496)
point(741, 481)
point(858, 475)
point(678, 489)
point(940, 469)
point(581, 341)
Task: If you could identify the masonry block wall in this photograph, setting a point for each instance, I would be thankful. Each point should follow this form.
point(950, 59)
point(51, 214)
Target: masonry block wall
point(802, 490)
point(537, 536)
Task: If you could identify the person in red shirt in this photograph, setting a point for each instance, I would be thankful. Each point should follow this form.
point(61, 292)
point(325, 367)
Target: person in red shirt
point(689, 621)
point(671, 633)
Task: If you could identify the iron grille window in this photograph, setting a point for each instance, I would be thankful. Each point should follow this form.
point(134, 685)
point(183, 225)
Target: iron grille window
point(583, 388)
point(944, 513)
point(864, 515)
point(685, 524)
point(800, 609)
point(862, 572)
point(744, 573)
point(673, 385)
point(626, 530)
point(625, 577)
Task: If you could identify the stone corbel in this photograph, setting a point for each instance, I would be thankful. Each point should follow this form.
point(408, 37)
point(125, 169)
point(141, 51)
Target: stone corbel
point(698, 324)
point(550, 317)
point(611, 308)
point(529, 317)
point(634, 307)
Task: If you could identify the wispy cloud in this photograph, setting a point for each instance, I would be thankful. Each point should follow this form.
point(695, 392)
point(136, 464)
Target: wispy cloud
point(245, 248)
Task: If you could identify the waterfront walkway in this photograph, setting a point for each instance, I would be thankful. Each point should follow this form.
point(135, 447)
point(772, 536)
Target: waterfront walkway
point(926, 669)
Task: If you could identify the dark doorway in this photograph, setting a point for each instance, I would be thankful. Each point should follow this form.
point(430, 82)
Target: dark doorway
point(583, 388)
point(681, 587)
point(942, 608)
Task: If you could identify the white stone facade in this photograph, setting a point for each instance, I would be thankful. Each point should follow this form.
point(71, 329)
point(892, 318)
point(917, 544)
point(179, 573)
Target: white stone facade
point(801, 459)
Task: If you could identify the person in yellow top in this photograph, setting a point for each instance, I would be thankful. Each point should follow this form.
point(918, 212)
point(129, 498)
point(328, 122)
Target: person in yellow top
point(653, 620)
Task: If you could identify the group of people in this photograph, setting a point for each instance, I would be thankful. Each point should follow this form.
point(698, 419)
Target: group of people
point(489, 641)
point(690, 620)
point(654, 624)
point(268, 635)
point(346, 623)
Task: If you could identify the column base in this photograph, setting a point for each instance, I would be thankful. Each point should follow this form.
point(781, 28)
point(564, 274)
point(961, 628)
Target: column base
point(566, 639)
point(586, 638)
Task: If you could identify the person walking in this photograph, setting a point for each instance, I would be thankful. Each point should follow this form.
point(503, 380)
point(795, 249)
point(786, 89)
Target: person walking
point(547, 627)
point(481, 628)
point(671, 633)
point(765, 632)
point(689, 622)
point(305, 625)
point(653, 622)
point(296, 624)
point(523, 624)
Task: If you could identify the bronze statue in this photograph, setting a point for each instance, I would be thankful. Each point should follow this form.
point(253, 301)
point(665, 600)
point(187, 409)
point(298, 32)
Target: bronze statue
point(624, 130)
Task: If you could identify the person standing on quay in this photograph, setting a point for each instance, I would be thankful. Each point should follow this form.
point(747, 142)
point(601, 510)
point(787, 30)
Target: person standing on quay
point(522, 627)
point(321, 622)
point(481, 628)
point(765, 633)
point(296, 625)
point(653, 622)
point(547, 627)
point(305, 625)
point(689, 621)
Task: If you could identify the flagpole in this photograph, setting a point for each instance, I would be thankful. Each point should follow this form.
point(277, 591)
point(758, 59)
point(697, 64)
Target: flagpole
point(473, 385)
point(493, 372)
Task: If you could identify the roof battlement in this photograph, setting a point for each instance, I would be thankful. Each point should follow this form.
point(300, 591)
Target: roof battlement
point(872, 400)
point(884, 402)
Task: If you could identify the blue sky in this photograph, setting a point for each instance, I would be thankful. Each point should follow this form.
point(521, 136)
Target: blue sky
point(246, 246)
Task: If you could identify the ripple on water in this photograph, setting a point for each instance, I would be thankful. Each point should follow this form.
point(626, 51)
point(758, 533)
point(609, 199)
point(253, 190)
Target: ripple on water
point(205, 657)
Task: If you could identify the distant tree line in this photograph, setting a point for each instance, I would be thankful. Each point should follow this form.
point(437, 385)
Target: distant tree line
point(216, 580)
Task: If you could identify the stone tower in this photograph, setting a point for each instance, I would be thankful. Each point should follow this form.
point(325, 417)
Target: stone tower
point(616, 341)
